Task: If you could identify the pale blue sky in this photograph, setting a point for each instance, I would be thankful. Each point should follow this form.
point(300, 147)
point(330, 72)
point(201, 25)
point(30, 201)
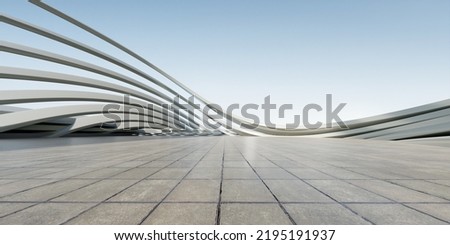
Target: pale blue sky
point(377, 56)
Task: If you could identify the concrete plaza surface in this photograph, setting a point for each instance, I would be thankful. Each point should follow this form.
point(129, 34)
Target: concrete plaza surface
point(226, 180)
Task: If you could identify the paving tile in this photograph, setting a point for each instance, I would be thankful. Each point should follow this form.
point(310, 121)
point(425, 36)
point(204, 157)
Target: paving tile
point(323, 214)
point(274, 173)
point(245, 191)
point(136, 173)
point(441, 211)
point(308, 173)
point(101, 173)
point(250, 154)
point(68, 173)
point(22, 185)
point(239, 173)
point(253, 214)
point(170, 173)
point(156, 164)
point(205, 173)
point(379, 173)
point(236, 164)
point(131, 164)
point(9, 173)
point(96, 192)
point(183, 164)
point(6, 181)
point(295, 191)
point(208, 163)
point(146, 191)
point(287, 163)
point(233, 157)
point(427, 187)
point(441, 182)
point(46, 213)
point(393, 214)
point(8, 208)
point(262, 164)
point(195, 191)
point(183, 214)
point(172, 157)
point(213, 157)
point(113, 214)
point(426, 173)
point(395, 192)
point(344, 192)
point(340, 173)
point(47, 192)
point(35, 172)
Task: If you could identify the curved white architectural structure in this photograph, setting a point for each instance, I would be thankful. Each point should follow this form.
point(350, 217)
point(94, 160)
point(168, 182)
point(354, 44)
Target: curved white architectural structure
point(147, 111)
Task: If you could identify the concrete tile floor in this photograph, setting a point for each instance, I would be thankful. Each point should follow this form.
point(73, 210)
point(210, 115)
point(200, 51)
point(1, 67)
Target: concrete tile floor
point(226, 180)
